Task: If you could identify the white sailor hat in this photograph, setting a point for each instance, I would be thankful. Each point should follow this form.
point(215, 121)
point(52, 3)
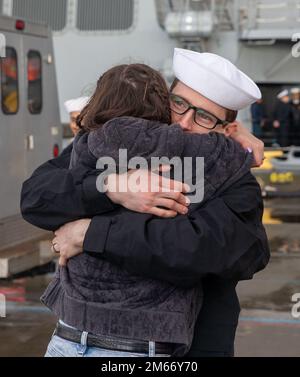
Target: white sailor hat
point(76, 104)
point(283, 93)
point(216, 78)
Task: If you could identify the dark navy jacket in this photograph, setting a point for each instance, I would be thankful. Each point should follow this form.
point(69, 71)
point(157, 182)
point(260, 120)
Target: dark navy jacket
point(232, 243)
point(257, 112)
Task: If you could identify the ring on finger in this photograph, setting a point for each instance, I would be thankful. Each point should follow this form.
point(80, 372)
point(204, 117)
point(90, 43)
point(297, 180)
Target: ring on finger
point(54, 249)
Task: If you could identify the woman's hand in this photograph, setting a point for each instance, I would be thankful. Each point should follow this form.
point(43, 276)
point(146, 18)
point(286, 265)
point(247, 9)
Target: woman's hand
point(146, 192)
point(68, 241)
point(248, 141)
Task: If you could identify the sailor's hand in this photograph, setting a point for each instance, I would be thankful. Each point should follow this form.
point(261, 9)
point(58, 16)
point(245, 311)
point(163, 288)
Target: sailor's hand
point(248, 141)
point(68, 241)
point(276, 124)
point(146, 192)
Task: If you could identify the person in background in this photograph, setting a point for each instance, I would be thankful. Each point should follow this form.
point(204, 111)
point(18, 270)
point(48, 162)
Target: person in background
point(282, 118)
point(258, 117)
point(74, 108)
point(295, 117)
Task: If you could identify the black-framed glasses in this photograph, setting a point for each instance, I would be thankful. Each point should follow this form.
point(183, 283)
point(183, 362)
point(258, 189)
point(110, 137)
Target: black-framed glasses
point(201, 117)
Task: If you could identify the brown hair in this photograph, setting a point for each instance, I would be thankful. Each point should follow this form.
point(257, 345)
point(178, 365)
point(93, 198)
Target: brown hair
point(134, 90)
point(230, 114)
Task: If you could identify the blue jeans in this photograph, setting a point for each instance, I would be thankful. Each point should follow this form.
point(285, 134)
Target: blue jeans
point(59, 347)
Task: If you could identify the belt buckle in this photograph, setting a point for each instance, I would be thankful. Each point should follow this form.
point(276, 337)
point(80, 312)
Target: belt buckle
point(151, 349)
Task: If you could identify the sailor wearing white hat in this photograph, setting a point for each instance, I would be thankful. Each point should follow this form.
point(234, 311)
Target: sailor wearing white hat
point(74, 108)
point(295, 96)
point(294, 130)
point(295, 90)
point(215, 90)
point(282, 116)
point(283, 93)
point(206, 95)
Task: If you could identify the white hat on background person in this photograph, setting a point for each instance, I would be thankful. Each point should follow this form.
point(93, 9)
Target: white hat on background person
point(76, 104)
point(216, 78)
point(283, 93)
point(295, 90)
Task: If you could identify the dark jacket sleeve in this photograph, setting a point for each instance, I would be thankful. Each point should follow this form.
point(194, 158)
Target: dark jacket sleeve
point(53, 187)
point(224, 238)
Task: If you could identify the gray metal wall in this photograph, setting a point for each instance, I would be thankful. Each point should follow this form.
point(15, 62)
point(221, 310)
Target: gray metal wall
point(105, 14)
point(52, 12)
point(270, 64)
point(92, 15)
point(270, 16)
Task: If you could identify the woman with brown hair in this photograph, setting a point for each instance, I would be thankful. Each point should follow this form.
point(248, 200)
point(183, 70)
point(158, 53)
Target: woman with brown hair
point(130, 110)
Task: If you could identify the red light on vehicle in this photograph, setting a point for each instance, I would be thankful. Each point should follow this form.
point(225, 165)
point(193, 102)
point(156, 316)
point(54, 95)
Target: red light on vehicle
point(55, 151)
point(20, 25)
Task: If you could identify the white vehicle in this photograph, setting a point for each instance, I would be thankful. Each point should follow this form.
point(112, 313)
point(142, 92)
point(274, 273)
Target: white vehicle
point(30, 129)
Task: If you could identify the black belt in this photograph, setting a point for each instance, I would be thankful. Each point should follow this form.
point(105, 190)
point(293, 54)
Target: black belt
point(111, 343)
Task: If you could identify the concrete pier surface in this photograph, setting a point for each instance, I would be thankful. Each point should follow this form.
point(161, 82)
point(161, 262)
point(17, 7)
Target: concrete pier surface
point(266, 328)
point(268, 324)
